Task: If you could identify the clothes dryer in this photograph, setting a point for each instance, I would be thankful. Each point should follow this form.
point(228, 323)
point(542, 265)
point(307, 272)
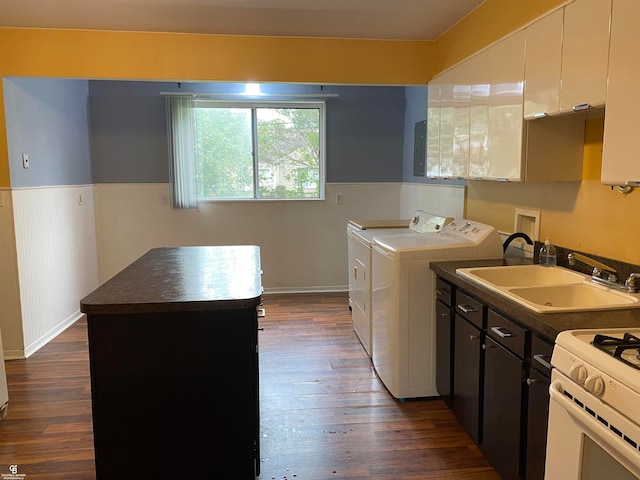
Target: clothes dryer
point(403, 300)
point(360, 235)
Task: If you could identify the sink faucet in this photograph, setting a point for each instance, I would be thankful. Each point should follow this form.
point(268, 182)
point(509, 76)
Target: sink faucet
point(513, 236)
point(598, 267)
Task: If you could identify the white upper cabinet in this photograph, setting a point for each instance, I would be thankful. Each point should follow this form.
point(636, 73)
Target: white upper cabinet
point(543, 63)
point(504, 70)
point(448, 142)
point(585, 54)
point(478, 130)
point(621, 150)
point(433, 130)
point(567, 55)
point(478, 117)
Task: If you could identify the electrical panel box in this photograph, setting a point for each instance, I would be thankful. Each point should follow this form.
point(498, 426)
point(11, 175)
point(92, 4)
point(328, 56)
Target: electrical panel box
point(419, 148)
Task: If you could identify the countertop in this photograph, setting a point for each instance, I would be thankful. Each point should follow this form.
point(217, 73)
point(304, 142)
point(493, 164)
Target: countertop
point(548, 324)
point(182, 279)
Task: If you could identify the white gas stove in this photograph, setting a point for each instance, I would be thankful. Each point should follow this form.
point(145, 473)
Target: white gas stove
point(594, 414)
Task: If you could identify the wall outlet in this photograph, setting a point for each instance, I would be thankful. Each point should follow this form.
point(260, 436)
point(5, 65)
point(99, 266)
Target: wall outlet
point(25, 160)
point(338, 198)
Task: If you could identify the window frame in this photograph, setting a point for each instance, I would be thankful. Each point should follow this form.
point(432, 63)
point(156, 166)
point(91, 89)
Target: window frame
point(253, 104)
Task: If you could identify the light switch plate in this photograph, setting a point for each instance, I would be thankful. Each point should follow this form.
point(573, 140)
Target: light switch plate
point(25, 160)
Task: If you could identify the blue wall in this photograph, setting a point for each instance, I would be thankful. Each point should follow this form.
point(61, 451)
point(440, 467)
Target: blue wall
point(47, 119)
point(365, 129)
point(79, 132)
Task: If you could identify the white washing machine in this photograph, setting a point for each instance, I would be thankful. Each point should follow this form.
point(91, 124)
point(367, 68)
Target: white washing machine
point(360, 235)
point(403, 300)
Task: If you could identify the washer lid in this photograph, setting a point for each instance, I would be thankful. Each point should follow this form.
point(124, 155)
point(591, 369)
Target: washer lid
point(367, 236)
point(414, 242)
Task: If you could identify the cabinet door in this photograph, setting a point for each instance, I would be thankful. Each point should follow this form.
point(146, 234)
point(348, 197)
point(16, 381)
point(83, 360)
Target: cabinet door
point(506, 74)
point(537, 418)
point(444, 357)
point(478, 117)
point(460, 157)
point(433, 130)
point(585, 55)
point(466, 377)
point(447, 113)
point(621, 151)
point(542, 65)
point(502, 407)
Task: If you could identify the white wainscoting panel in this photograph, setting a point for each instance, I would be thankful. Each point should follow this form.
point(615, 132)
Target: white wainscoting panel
point(446, 200)
point(57, 259)
point(303, 243)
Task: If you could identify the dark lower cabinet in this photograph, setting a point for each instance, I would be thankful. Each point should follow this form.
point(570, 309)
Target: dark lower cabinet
point(444, 352)
point(466, 377)
point(538, 408)
point(493, 372)
point(537, 419)
point(502, 410)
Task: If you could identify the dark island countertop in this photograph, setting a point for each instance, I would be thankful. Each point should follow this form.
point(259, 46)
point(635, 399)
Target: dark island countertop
point(548, 324)
point(182, 279)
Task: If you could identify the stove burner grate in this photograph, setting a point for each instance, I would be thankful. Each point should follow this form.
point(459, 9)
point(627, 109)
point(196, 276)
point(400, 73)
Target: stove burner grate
point(617, 348)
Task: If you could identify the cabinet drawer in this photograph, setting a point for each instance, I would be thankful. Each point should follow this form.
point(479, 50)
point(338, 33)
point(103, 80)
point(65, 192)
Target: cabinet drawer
point(444, 292)
point(507, 333)
point(470, 308)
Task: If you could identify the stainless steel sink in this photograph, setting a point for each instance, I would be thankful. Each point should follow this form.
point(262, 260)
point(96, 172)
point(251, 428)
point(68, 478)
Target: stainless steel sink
point(549, 289)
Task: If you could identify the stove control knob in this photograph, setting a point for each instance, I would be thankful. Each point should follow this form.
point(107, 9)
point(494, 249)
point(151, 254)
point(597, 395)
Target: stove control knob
point(578, 373)
point(594, 384)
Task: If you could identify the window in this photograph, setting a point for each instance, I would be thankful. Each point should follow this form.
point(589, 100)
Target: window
point(259, 150)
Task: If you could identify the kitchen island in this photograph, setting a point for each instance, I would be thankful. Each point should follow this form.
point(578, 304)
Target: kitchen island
point(174, 365)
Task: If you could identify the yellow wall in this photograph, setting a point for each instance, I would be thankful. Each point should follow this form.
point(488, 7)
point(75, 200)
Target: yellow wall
point(175, 57)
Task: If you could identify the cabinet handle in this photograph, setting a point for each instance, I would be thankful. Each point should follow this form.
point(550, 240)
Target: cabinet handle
point(487, 347)
point(473, 337)
point(439, 292)
point(531, 381)
point(502, 332)
point(262, 313)
point(540, 358)
point(355, 272)
point(467, 308)
point(443, 315)
point(581, 107)
point(538, 116)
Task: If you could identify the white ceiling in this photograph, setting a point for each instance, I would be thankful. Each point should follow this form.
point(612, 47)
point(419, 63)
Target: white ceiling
point(375, 19)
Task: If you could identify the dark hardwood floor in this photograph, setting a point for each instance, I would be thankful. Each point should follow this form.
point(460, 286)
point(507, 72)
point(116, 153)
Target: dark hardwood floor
point(324, 412)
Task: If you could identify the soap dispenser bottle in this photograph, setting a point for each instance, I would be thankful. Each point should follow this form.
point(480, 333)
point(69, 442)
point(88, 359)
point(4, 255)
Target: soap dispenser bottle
point(547, 255)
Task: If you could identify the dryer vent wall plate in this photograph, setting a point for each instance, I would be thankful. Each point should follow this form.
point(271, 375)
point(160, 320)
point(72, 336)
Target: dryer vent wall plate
point(527, 221)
